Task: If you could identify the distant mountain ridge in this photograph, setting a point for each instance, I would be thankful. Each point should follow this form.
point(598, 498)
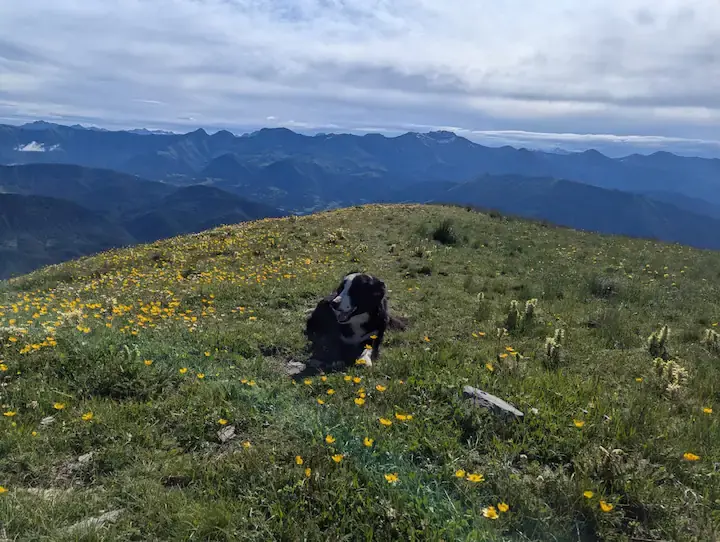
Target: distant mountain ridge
point(153, 185)
point(574, 205)
point(37, 231)
point(345, 158)
point(50, 213)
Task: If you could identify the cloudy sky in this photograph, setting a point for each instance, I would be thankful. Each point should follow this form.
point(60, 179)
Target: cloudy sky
point(563, 72)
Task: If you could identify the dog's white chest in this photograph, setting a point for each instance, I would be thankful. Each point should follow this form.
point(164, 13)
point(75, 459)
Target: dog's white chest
point(358, 332)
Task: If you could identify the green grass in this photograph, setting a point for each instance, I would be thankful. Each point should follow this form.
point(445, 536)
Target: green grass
point(230, 304)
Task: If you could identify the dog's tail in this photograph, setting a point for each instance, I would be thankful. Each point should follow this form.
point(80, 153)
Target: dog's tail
point(397, 323)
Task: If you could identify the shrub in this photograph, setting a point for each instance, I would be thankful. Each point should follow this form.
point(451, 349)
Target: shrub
point(604, 287)
point(445, 233)
point(529, 310)
point(671, 374)
point(513, 317)
point(553, 348)
point(657, 343)
point(712, 340)
point(484, 310)
point(516, 320)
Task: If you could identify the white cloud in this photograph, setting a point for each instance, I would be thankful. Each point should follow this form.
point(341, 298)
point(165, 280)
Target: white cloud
point(599, 66)
point(34, 146)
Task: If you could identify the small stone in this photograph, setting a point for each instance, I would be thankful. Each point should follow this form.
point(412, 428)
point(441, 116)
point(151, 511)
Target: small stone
point(483, 399)
point(94, 523)
point(86, 458)
point(295, 367)
point(48, 494)
point(226, 433)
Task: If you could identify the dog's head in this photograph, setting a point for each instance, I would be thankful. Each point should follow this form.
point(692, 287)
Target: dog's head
point(358, 293)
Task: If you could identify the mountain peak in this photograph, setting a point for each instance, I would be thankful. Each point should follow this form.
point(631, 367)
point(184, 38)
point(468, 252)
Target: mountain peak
point(442, 135)
point(40, 125)
point(274, 131)
point(199, 132)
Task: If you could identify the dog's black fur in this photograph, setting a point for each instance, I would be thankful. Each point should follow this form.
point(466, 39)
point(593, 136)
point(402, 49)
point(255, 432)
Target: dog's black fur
point(334, 340)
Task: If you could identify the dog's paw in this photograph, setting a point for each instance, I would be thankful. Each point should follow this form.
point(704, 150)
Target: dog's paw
point(365, 359)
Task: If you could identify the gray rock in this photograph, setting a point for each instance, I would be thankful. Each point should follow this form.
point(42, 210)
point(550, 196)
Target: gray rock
point(483, 399)
point(86, 458)
point(226, 433)
point(295, 367)
point(94, 523)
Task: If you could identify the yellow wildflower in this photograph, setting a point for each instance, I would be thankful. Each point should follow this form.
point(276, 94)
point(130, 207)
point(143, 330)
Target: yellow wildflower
point(307, 382)
point(299, 460)
point(392, 478)
point(380, 388)
point(182, 370)
point(59, 406)
point(691, 456)
point(308, 472)
point(359, 401)
point(9, 413)
point(337, 458)
point(606, 506)
point(320, 401)
point(490, 512)
point(707, 410)
point(503, 507)
point(588, 494)
point(475, 478)
point(385, 422)
point(148, 362)
point(368, 442)
point(330, 391)
point(460, 473)
point(330, 439)
point(222, 421)
point(578, 423)
point(87, 416)
point(201, 375)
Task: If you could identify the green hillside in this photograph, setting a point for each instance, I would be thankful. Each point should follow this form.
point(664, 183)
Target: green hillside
point(121, 372)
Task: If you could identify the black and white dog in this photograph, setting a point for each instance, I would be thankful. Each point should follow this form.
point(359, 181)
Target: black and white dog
point(356, 315)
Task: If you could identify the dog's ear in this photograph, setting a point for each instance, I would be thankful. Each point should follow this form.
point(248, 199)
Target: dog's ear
point(378, 288)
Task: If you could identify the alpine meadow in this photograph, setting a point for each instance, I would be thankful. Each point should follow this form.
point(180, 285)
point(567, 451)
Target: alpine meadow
point(146, 393)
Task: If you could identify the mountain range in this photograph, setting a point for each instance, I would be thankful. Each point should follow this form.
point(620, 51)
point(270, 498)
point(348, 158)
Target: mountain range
point(50, 213)
point(150, 184)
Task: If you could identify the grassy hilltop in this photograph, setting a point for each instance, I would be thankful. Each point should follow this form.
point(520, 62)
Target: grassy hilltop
point(123, 373)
